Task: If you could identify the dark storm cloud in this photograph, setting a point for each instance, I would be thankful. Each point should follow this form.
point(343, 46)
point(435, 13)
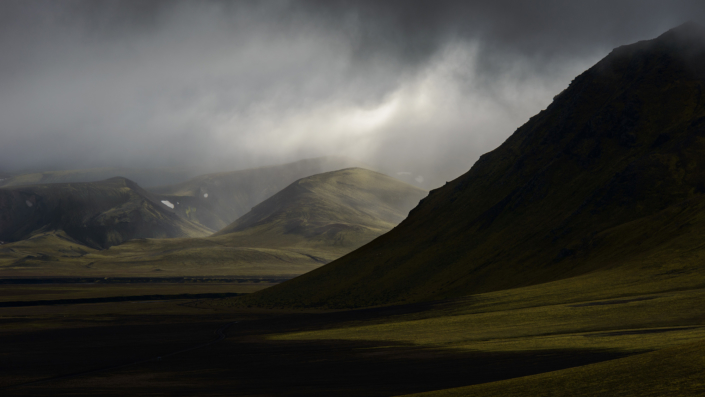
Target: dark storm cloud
point(416, 87)
point(414, 29)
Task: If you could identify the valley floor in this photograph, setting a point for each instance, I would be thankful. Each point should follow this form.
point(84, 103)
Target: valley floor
point(528, 341)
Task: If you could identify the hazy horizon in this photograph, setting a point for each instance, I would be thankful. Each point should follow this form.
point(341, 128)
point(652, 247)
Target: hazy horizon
point(415, 88)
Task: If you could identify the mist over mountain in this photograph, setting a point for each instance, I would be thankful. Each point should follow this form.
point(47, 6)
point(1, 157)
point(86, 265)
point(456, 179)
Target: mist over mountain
point(419, 88)
point(143, 177)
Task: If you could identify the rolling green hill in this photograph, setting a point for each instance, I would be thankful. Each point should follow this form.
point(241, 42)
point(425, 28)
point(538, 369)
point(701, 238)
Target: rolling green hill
point(675, 371)
point(216, 200)
point(340, 209)
point(95, 214)
point(612, 170)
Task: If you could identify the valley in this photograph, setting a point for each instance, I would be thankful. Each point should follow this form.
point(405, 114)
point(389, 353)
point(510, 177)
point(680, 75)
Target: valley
point(503, 342)
point(567, 261)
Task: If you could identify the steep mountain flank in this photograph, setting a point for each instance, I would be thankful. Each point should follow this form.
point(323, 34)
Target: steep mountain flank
point(601, 176)
point(216, 200)
point(97, 214)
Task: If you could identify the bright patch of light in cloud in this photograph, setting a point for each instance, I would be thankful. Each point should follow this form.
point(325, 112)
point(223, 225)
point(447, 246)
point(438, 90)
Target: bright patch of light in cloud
point(222, 86)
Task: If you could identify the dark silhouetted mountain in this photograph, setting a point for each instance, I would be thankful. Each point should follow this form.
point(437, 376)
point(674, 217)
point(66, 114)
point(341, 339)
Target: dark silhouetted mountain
point(608, 171)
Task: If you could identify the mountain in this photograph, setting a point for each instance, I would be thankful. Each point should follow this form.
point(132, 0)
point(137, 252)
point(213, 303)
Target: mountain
point(612, 172)
point(343, 209)
point(96, 214)
point(312, 222)
point(142, 176)
point(216, 200)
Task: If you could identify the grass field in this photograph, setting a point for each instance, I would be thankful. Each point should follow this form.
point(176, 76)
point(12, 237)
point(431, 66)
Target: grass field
point(490, 345)
point(51, 256)
point(676, 371)
point(654, 314)
point(617, 331)
point(62, 346)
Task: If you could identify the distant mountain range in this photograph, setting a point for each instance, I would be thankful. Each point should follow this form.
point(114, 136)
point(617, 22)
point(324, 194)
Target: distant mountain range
point(96, 214)
point(309, 223)
point(612, 170)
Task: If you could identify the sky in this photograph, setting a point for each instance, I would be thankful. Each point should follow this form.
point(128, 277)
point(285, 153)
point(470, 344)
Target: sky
point(416, 89)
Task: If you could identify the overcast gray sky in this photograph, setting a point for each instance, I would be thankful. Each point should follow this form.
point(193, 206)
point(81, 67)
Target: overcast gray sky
point(419, 88)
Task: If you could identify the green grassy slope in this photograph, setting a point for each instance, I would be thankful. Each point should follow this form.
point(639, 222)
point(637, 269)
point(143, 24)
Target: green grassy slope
point(645, 304)
point(96, 214)
point(576, 189)
point(54, 254)
point(232, 194)
point(343, 209)
point(677, 371)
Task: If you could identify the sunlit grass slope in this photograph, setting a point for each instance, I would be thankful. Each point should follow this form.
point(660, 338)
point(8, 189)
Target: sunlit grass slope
point(612, 169)
point(645, 305)
point(618, 317)
point(95, 214)
point(216, 200)
point(341, 209)
point(55, 255)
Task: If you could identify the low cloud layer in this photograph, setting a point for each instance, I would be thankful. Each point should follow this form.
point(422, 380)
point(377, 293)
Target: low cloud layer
point(418, 87)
